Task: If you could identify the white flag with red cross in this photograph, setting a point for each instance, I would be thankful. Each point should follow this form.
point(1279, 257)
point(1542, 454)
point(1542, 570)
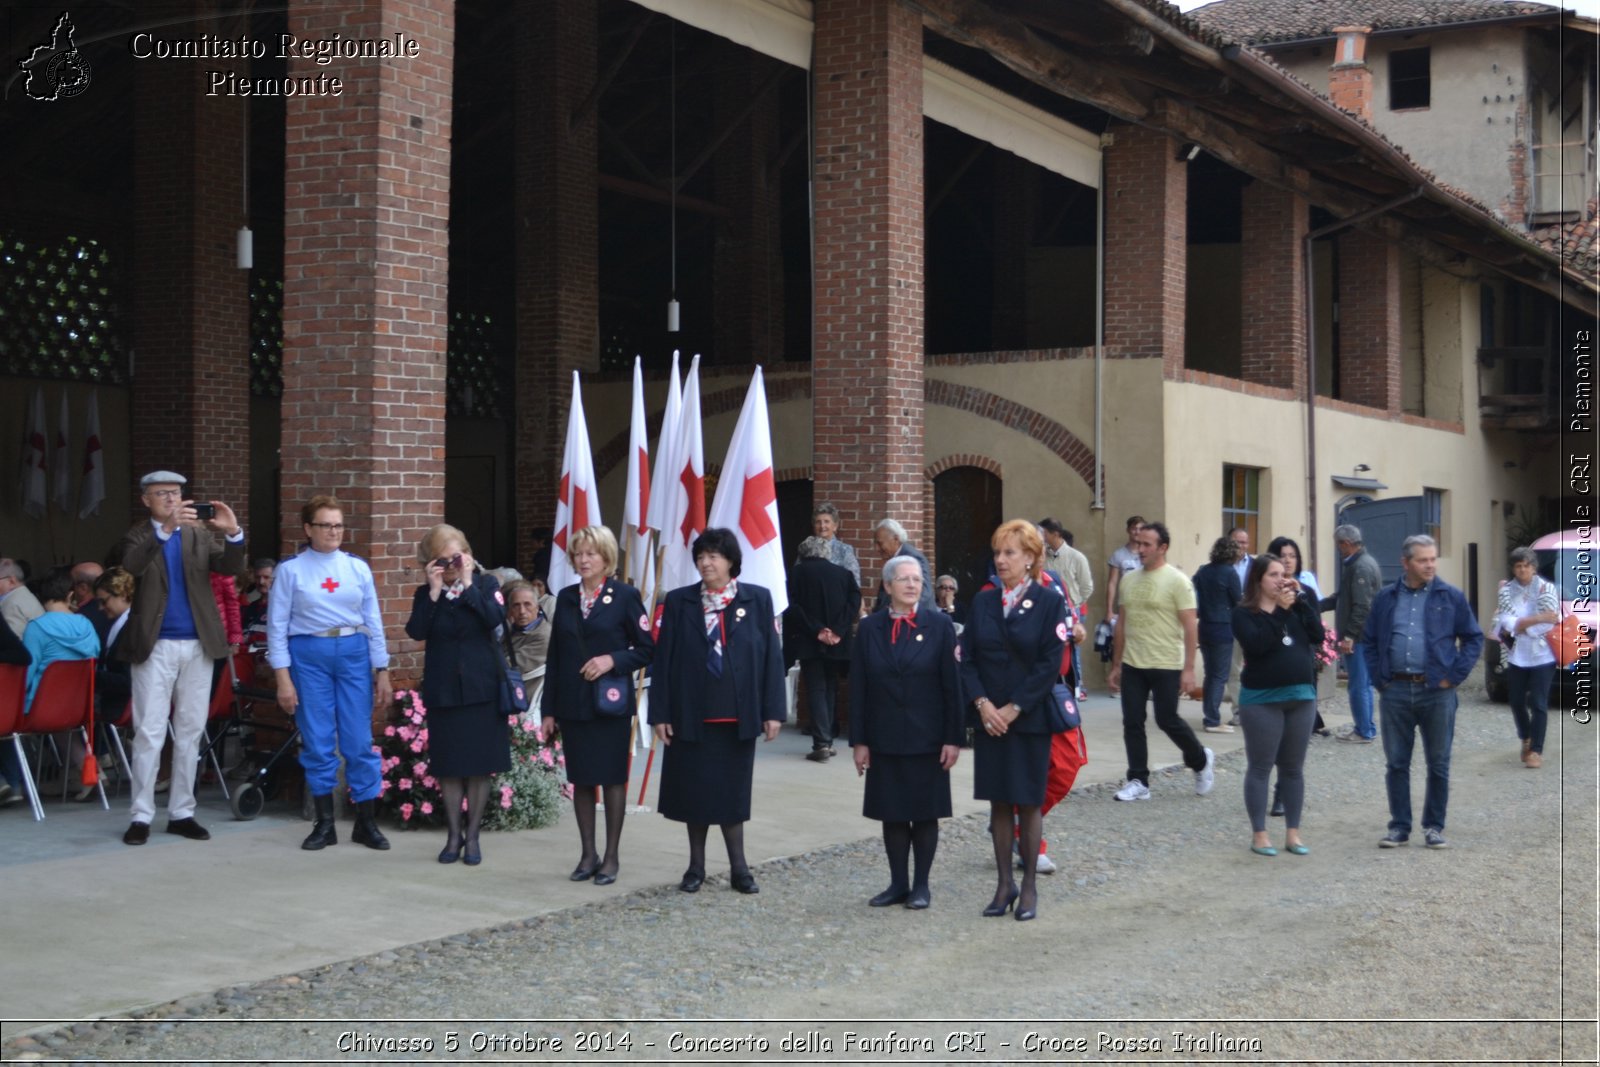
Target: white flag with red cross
point(61, 462)
point(747, 497)
point(683, 515)
point(35, 459)
point(577, 503)
point(636, 508)
point(93, 490)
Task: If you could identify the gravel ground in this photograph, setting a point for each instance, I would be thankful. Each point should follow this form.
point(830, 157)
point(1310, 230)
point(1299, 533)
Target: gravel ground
point(1162, 937)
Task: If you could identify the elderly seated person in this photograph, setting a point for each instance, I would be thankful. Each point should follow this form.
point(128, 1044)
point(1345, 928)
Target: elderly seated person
point(945, 588)
point(527, 626)
point(60, 633)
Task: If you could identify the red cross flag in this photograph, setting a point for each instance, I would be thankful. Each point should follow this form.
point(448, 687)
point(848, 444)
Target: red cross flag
point(35, 458)
point(93, 490)
point(683, 513)
point(61, 462)
point(747, 497)
point(577, 503)
point(636, 508)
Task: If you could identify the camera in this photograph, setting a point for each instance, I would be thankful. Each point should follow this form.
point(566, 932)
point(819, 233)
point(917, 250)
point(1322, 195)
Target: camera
point(205, 512)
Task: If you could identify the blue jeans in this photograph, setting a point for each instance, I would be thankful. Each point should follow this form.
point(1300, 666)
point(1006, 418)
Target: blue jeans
point(1217, 661)
point(1409, 708)
point(1529, 689)
point(1355, 665)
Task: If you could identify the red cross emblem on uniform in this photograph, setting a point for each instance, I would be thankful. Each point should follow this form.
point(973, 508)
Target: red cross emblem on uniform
point(329, 584)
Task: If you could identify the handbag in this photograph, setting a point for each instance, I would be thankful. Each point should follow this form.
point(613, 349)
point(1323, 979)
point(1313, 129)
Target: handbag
point(1567, 641)
point(513, 691)
point(1063, 709)
point(610, 690)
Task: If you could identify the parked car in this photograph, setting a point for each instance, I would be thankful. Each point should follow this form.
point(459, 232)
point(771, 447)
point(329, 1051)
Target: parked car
point(1571, 560)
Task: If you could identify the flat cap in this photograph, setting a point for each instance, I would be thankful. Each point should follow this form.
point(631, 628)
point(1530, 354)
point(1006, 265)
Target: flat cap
point(162, 478)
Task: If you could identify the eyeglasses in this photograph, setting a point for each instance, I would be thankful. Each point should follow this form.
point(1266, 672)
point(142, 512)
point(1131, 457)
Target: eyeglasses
point(945, 588)
point(165, 494)
point(326, 525)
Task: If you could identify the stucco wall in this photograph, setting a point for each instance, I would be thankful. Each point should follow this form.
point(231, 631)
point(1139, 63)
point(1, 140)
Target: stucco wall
point(1458, 137)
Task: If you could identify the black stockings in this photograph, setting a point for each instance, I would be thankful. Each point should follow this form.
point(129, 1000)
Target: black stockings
point(732, 837)
point(1030, 820)
point(476, 792)
point(900, 841)
point(583, 812)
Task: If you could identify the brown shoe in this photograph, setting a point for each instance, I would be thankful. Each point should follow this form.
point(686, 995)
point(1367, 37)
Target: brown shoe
point(137, 833)
point(1534, 761)
point(1527, 747)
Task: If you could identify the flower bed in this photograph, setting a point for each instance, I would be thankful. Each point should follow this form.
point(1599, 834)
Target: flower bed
point(526, 797)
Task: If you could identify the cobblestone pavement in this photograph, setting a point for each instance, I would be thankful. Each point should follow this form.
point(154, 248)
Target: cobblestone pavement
point(1161, 937)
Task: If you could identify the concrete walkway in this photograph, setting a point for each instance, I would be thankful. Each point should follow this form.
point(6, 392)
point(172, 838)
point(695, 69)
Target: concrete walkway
point(107, 929)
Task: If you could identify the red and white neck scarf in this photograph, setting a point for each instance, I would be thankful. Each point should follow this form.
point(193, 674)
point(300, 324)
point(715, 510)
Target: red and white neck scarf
point(897, 620)
point(1010, 598)
point(587, 599)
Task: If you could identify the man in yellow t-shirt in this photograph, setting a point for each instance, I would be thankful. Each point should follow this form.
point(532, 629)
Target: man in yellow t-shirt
point(1152, 658)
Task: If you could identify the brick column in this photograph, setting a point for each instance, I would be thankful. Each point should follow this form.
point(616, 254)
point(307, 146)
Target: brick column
point(1369, 322)
point(867, 454)
point(749, 264)
point(366, 216)
point(191, 383)
point(1147, 229)
point(557, 240)
point(1273, 283)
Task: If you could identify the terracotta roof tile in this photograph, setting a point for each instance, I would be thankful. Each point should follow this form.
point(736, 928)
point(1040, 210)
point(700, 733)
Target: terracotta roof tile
point(1266, 21)
point(1576, 242)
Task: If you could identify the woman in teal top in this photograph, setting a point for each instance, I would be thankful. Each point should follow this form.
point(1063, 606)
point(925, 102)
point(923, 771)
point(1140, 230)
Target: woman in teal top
point(1277, 627)
point(58, 633)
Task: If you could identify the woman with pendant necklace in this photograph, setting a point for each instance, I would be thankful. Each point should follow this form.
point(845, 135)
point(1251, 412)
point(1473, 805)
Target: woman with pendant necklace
point(1277, 629)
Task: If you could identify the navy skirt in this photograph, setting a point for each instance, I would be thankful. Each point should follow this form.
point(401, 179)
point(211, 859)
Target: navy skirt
point(596, 749)
point(467, 741)
point(906, 788)
point(707, 782)
point(1012, 768)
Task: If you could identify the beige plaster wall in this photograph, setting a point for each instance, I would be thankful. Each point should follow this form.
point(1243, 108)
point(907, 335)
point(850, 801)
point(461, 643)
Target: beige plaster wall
point(63, 537)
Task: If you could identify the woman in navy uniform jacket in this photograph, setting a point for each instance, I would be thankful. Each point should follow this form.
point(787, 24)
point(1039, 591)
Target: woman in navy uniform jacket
point(456, 611)
point(906, 726)
point(716, 685)
point(599, 636)
point(1010, 657)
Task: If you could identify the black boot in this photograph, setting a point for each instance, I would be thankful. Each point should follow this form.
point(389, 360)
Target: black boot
point(366, 831)
point(322, 833)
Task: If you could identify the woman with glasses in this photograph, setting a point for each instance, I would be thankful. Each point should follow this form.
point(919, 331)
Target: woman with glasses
point(326, 647)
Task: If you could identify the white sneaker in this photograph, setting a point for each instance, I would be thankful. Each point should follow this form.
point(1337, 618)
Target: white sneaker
point(1046, 865)
point(1206, 776)
point(1134, 790)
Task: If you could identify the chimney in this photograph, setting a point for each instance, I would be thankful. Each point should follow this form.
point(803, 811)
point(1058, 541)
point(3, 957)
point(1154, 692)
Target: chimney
point(1350, 79)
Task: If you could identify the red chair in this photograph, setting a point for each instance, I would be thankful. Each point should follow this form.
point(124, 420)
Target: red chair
point(13, 690)
point(64, 701)
point(229, 700)
point(111, 729)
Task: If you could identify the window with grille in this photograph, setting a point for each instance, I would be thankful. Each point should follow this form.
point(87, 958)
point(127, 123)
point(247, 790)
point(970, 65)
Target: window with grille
point(60, 314)
point(1241, 500)
point(1410, 83)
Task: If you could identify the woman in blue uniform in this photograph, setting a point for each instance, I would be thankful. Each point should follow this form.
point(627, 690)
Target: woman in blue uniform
point(325, 644)
point(717, 685)
point(456, 611)
point(906, 727)
point(1010, 658)
point(600, 635)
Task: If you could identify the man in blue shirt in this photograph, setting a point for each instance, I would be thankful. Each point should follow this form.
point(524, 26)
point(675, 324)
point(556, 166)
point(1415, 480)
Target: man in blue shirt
point(1421, 641)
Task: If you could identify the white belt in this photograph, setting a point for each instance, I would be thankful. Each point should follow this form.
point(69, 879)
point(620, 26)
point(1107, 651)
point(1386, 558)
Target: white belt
point(339, 631)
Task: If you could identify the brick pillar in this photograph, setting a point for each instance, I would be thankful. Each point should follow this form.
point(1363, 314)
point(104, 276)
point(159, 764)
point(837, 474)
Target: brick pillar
point(1015, 183)
point(749, 261)
point(1273, 283)
point(867, 387)
point(1369, 322)
point(366, 217)
point(1147, 229)
point(557, 241)
point(1350, 79)
point(191, 383)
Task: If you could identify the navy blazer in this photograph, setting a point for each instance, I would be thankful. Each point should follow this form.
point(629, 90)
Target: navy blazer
point(906, 702)
point(752, 656)
point(822, 594)
point(1015, 660)
point(618, 626)
point(461, 664)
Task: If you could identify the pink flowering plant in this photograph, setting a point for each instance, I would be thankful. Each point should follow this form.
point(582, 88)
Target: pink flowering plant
point(1329, 650)
point(526, 797)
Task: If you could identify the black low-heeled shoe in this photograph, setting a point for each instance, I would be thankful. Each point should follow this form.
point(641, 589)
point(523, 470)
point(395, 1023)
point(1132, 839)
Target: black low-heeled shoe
point(580, 873)
point(892, 895)
point(996, 909)
point(744, 882)
point(470, 854)
point(920, 898)
point(449, 854)
point(601, 878)
point(692, 881)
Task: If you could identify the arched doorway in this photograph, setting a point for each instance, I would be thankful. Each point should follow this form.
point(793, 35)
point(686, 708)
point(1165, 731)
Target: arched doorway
point(966, 509)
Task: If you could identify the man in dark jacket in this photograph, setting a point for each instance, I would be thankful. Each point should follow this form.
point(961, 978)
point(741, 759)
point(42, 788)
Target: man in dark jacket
point(1360, 578)
point(1421, 641)
point(824, 601)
